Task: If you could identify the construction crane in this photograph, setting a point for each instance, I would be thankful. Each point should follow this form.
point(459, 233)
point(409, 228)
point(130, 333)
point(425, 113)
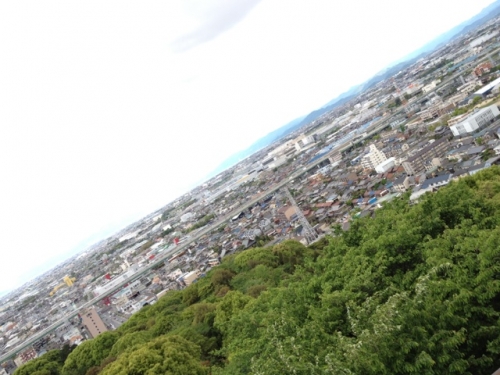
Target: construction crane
point(307, 231)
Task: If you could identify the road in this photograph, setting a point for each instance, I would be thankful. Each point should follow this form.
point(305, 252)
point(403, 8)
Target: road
point(165, 256)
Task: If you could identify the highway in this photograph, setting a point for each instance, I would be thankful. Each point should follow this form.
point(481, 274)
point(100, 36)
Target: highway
point(166, 255)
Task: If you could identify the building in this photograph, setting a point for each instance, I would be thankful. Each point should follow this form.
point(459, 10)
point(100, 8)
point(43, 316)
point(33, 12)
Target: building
point(422, 160)
point(482, 39)
point(373, 158)
point(458, 119)
point(469, 86)
point(486, 89)
point(385, 165)
point(107, 288)
point(436, 110)
point(436, 182)
point(476, 121)
point(190, 277)
point(304, 141)
point(399, 185)
point(68, 280)
point(187, 217)
point(93, 322)
point(25, 356)
point(431, 86)
point(335, 157)
point(497, 150)
point(482, 68)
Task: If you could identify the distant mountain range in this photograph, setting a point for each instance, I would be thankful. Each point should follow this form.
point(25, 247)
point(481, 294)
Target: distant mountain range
point(491, 11)
point(260, 144)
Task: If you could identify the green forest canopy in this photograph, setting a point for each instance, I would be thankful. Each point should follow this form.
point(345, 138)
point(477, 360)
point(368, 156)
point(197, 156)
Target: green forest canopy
point(415, 290)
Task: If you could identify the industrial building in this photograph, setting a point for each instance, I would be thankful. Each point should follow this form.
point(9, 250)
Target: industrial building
point(475, 121)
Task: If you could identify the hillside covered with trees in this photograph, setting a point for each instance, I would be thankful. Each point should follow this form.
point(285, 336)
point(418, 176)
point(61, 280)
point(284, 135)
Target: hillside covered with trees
point(414, 290)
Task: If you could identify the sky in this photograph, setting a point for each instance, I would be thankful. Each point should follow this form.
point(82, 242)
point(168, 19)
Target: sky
point(111, 109)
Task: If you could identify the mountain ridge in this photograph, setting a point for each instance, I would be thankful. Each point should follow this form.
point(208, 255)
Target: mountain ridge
point(484, 15)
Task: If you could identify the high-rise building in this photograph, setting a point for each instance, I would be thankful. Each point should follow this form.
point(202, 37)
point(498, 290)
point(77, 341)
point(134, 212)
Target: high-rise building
point(93, 322)
point(373, 158)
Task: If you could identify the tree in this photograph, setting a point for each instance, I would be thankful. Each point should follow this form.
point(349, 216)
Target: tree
point(413, 290)
point(165, 355)
point(253, 257)
point(48, 364)
point(89, 354)
point(221, 277)
point(128, 341)
point(488, 153)
point(191, 295)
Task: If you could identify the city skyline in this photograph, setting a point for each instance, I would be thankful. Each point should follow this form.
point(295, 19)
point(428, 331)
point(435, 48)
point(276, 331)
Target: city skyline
point(113, 118)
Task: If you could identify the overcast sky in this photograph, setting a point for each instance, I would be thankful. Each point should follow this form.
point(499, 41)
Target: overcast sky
point(111, 109)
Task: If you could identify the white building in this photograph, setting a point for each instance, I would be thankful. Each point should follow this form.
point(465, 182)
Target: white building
point(469, 86)
point(189, 277)
point(431, 86)
point(304, 141)
point(106, 288)
point(476, 121)
point(128, 236)
point(187, 217)
point(497, 150)
point(373, 158)
point(385, 165)
point(483, 38)
point(487, 88)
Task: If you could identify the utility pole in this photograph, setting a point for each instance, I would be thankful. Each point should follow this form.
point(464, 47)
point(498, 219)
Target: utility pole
point(307, 231)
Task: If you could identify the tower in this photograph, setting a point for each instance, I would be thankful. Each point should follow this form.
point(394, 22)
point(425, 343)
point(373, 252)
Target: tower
point(308, 231)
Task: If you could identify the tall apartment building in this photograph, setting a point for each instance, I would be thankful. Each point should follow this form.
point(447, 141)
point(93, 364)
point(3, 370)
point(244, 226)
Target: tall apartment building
point(93, 322)
point(422, 160)
point(373, 158)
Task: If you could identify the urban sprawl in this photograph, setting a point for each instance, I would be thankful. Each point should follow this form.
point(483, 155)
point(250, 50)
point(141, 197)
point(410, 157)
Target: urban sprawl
point(433, 122)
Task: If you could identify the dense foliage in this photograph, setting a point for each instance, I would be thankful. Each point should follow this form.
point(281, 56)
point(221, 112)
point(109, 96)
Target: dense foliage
point(415, 290)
